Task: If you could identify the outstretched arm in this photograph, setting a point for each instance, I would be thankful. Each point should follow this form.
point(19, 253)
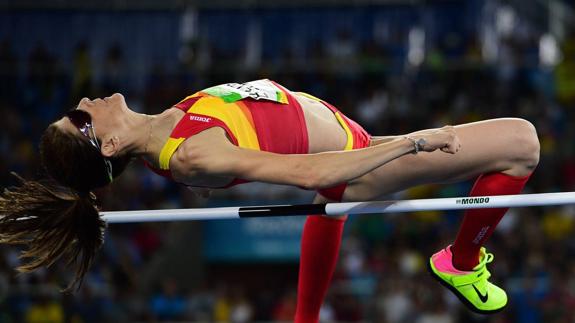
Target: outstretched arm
point(214, 155)
point(378, 140)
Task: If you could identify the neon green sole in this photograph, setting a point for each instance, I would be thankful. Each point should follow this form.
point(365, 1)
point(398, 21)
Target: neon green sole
point(433, 272)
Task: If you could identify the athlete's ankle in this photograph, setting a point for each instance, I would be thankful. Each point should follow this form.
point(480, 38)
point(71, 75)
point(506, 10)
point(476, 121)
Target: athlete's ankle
point(462, 261)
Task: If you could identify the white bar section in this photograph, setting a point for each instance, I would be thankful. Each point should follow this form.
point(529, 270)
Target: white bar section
point(218, 213)
point(457, 203)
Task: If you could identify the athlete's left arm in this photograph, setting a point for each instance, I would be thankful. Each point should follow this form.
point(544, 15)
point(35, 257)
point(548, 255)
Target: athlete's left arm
point(211, 154)
point(378, 140)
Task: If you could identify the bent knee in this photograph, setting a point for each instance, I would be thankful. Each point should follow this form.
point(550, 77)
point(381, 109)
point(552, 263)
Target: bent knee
point(525, 145)
point(529, 141)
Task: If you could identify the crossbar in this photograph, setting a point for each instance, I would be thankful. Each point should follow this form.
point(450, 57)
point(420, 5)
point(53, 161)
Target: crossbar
point(371, 207)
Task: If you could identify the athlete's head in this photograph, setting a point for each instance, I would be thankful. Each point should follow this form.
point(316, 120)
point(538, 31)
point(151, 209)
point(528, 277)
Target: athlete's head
point(59, 217)
point(81, 150)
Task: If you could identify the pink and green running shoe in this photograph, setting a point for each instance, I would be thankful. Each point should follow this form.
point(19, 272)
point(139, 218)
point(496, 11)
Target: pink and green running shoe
point(471, 287)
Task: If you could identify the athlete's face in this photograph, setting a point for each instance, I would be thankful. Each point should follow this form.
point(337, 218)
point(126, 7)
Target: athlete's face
point(104, 114)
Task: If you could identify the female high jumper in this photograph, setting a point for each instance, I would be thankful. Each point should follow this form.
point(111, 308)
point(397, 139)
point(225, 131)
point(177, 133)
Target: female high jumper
point(260, 131)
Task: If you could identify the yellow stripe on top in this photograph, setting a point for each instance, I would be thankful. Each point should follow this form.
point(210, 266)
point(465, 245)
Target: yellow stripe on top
point(189, 97)
point(168, 150)
point(349, 143)
point(233, 116)
point(309, 96)
point(171, 145)
point(238, 120)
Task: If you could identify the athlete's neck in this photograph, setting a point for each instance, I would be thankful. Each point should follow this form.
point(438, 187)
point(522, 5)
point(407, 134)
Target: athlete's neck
point(148, 133)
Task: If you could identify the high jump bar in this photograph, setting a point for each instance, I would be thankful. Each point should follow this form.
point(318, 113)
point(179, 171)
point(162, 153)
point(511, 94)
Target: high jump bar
point(370, 207)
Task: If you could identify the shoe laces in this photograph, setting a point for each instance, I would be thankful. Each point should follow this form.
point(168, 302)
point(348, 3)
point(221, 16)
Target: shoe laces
point(487, 258)
point(480, 274)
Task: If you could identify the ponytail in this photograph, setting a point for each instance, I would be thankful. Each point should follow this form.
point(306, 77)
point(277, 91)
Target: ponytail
point(54, 222)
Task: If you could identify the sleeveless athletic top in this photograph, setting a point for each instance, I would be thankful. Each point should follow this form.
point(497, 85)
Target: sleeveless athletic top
point(260, 115)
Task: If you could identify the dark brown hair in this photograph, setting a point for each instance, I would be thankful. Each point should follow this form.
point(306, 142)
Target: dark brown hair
point(58, 217)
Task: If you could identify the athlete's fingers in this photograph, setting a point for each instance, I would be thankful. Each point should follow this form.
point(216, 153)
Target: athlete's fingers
point(445, 139)
point(450, 148)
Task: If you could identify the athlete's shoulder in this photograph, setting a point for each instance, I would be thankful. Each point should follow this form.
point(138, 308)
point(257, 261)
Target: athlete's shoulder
point(188, 102)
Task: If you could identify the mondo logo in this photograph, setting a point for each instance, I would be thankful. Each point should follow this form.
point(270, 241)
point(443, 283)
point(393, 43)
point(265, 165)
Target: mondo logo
point(202, 119)
point(473, 200)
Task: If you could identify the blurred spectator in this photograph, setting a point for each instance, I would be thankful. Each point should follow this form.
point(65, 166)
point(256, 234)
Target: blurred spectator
point(9, 73)
point(222, 306)
point(114, 71)
point(147, 240)
point(392, 303)
point(285, 308)
point(168, 304)
point(45, 310)
point(82, 71)
point(241, 311)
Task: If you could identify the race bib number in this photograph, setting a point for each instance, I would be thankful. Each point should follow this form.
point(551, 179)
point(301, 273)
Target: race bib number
point(258, 90)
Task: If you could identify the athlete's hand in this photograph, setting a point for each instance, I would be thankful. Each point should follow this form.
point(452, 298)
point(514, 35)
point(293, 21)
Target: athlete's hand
point(444, 139)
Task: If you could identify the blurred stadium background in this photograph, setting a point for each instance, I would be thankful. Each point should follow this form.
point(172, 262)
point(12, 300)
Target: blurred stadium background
point(393, 65)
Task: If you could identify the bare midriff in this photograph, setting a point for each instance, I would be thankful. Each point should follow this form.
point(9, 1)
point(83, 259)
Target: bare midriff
point(324, 131)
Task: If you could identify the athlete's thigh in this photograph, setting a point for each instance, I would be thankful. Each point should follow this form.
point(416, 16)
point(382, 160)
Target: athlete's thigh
point(486, 146)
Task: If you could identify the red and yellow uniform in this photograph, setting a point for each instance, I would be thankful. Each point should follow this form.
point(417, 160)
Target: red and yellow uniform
point(259, 115)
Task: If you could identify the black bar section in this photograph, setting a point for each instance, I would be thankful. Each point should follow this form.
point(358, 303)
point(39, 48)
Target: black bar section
point(281, 210)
